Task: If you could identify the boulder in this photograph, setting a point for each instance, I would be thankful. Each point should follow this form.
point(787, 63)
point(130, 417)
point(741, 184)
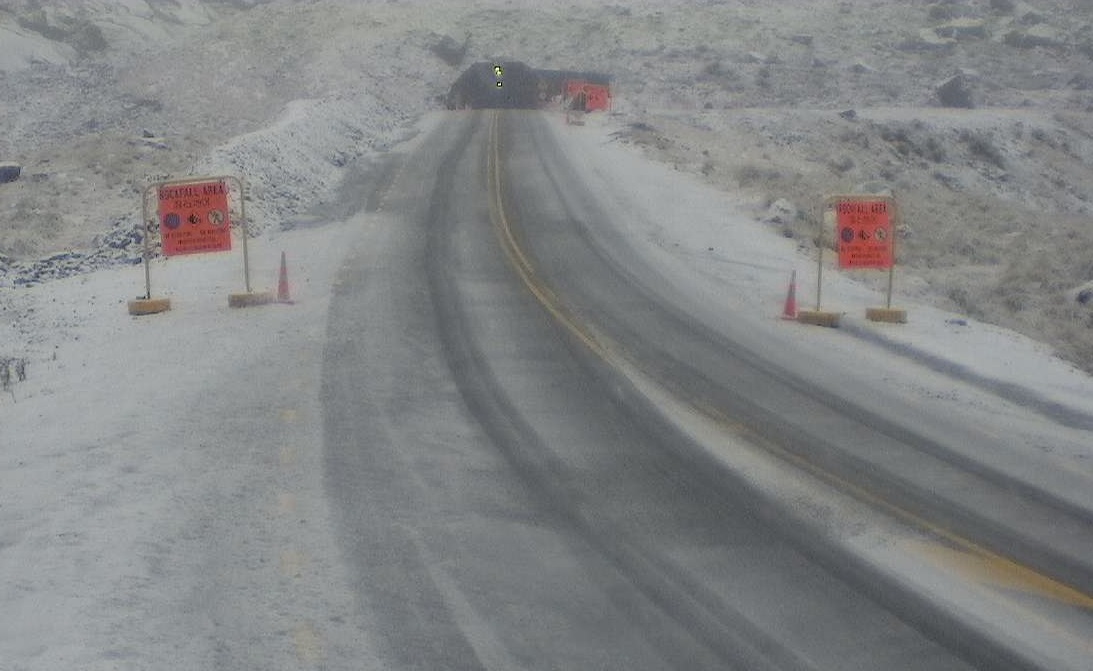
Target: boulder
point(1081, 82)
point(1082, 294)
point(9, 172)
point(150, 142)
point(1030, 17)
point(943, 12)
point(927, 40)
point(781, 211)
point(956, 92)
point(1039, 35)
point(963, 29)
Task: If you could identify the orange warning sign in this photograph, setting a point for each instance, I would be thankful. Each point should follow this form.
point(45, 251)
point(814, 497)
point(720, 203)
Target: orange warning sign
point(589, 97)
point(193, 217)
point(863, 232)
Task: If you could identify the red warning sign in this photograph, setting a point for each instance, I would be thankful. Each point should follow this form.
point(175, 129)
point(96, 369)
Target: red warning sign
point(863, 232)
point(193, 217)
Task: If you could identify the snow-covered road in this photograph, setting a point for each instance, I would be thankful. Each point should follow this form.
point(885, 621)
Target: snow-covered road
point(161, 478)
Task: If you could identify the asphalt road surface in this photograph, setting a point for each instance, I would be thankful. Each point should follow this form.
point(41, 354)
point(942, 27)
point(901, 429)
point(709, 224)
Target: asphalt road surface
point(507, 499)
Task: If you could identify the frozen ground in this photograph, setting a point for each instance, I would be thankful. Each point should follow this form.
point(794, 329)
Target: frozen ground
point(148, 469)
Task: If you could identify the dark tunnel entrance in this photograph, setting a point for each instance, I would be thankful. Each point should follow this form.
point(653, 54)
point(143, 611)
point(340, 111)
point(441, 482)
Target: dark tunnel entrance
point(513, 85)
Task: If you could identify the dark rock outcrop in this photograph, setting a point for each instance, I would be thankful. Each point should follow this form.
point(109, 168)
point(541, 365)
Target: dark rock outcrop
point(956, 92)
point(450, 51)
point(9, 172)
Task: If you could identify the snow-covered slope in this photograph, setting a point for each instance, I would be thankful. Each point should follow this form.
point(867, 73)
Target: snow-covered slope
point(99, 98)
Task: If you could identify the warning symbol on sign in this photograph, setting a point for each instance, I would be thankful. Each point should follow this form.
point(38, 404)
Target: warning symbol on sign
point(206, 205)
point(865, 232)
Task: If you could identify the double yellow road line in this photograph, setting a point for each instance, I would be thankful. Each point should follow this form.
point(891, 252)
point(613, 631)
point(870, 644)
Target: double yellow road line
point(953, 552)
point(519, 260)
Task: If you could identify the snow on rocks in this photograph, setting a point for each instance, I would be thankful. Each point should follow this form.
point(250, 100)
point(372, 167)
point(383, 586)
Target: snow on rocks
point(122, 245)
point(297, 162)
point(781, 211)
point(12, 369)
point(956, 92)
point(288, 168)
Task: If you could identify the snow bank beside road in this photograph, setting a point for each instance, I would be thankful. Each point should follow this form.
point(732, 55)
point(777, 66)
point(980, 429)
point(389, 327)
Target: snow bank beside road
point(291, 167)
point(734, 272)
point(298, 162)
point(161, 489)
point(161, 497)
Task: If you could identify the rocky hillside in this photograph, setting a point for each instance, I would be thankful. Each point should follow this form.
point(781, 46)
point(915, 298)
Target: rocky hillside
point(975, 113)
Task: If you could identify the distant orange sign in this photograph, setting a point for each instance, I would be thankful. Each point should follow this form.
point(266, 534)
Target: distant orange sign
point(863, 231)
point(593, 96)
point(193, 217)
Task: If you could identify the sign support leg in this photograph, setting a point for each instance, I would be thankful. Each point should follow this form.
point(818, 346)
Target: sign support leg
point(891, 274)
point(817, 317)
point(147, 305)
point(819, 260)
point(246, 259)
point(147, 254)
point(249, 298)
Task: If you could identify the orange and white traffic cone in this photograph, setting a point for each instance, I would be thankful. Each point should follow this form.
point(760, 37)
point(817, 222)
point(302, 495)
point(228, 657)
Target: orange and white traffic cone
point(282, 283)
point(790, 309)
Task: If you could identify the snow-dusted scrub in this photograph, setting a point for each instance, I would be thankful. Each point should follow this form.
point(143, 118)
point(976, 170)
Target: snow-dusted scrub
point(995, 211)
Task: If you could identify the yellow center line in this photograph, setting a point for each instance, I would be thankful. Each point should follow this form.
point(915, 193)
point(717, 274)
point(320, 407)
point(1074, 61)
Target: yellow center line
point(1000, 570)
point(286, 504)
point(309, 645)
point(516, 255)
point(996, 571)
point(292, 563)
